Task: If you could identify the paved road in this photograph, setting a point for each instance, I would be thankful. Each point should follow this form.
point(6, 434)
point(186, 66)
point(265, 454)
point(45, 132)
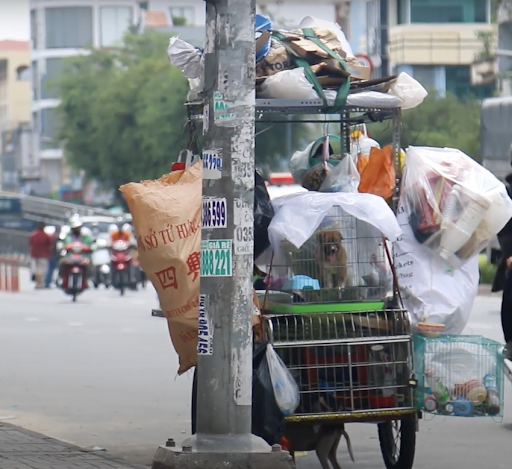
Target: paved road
point(102, 372)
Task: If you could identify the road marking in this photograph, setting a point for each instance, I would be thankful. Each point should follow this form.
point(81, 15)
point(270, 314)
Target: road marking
point(32, 319)
point(75, 324)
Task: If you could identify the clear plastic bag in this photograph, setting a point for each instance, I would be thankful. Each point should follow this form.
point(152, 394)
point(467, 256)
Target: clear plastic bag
point(455, 206)
point(344, 177)
point(285, 387)
point(186, 57)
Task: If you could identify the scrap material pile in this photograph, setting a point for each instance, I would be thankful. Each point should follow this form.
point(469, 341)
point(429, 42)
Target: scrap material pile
point(314, 61)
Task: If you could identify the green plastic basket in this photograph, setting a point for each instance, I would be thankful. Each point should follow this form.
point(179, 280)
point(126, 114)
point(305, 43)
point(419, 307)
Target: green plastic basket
point(459, 364)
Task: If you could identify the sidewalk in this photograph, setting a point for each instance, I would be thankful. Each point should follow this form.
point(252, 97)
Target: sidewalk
point(23, 449)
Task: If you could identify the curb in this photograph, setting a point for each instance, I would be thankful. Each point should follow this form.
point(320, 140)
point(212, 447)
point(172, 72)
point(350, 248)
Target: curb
point(71, 446)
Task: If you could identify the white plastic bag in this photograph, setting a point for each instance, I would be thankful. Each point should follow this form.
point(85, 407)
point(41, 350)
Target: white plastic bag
point(311, 22)
point(431, 290)
point(297, 226)
point(186, 57)
point(409, 90)
point(285, 387)
point(288, 84)
point(344, 177)
point(373, 99)
point(456, 206)
point(299, 163)
point(362, 144)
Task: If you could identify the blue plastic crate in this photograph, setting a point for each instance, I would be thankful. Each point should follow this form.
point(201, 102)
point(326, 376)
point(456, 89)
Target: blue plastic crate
point(455, 375)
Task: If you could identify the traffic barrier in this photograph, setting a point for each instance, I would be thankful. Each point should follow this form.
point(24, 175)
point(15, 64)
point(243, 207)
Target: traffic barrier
point(9, 275)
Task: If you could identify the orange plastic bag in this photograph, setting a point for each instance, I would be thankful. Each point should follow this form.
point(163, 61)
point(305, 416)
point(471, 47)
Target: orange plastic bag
point(379, 175)
point(362, 161)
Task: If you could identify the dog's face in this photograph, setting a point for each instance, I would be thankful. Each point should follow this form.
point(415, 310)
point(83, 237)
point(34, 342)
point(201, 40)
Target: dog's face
point(330, 244)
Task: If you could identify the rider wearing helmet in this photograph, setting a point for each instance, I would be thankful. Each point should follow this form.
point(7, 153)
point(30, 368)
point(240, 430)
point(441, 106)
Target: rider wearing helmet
point(77, 233)
point(123, 234)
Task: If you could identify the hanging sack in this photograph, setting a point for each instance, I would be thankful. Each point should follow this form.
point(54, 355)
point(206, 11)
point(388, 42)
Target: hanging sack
point(286, 389)
point(379, 175)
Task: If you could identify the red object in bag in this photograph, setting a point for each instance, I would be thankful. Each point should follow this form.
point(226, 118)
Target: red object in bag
point(177, 166)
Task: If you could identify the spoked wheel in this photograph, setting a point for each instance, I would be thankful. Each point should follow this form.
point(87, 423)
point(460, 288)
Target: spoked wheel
point(398, 443)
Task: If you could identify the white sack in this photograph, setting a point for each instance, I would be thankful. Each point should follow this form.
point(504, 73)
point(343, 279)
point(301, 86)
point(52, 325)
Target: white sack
point(431, 290)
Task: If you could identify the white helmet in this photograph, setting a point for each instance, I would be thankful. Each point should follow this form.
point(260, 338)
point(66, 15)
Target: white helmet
point(113, 228)
point(126, 228)
point(75, 222)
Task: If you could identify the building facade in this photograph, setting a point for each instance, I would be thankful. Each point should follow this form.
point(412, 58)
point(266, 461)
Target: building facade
point(436, 41)
point(14, 111)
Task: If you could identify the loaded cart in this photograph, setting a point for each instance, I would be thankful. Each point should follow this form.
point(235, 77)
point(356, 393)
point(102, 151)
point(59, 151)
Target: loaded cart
point(332, 307)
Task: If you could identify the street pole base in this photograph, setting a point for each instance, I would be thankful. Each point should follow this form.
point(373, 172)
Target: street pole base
point(223, 452)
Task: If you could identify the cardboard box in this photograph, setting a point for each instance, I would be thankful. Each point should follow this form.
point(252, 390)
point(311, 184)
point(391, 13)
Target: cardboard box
point(358, 72)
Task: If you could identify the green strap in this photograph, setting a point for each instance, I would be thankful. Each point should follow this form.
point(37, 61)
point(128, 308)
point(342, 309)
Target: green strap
point(341, 96)
point(344, 90)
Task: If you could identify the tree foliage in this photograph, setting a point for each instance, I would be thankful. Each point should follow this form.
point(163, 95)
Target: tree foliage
point(437, 122)
point(123, 110)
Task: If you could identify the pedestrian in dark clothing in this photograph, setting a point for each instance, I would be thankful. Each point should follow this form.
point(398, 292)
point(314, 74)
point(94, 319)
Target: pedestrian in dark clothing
point(53, 260)
point(503, 278)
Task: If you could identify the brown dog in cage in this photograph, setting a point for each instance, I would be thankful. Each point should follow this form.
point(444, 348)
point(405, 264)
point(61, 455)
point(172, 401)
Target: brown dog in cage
point(324, 439)
point(331, 259)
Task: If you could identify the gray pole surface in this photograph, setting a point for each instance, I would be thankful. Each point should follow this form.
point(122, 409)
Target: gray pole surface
point(225, 333)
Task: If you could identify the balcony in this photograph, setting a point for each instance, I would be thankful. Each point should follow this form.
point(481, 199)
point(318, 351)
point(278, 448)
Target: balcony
point(436, 44)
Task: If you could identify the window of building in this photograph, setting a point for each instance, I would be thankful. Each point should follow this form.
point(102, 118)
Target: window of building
point(426, 75)
point(402, 11)
point(183, 16)
point(458, 82)
point(448, 11)
point(50, 128)
point(54, 67)
point(23, 73)
point(35, 79)
point(33, 28)
point(68, 27)
point(114, 22)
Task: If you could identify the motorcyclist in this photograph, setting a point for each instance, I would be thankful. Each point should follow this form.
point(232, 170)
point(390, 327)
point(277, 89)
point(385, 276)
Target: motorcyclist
point(125, 234)
point(77, 233)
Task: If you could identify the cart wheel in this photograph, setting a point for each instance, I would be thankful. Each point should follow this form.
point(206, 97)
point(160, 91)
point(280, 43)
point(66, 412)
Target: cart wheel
point(398, 443)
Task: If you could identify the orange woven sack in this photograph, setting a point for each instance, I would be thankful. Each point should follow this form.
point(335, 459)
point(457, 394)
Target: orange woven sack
point(379, 175)
point(362, 161)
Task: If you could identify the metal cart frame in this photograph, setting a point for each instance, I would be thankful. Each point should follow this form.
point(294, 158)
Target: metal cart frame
point(396, 427)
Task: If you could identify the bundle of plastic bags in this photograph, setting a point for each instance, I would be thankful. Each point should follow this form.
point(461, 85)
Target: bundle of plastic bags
point(454, 205)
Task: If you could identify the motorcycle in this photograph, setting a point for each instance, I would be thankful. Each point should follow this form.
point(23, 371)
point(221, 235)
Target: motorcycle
point(121, 257)
point(76, 260)
point(101, 264)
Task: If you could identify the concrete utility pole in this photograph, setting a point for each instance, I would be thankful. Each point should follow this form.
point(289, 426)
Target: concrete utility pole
point(225, 304)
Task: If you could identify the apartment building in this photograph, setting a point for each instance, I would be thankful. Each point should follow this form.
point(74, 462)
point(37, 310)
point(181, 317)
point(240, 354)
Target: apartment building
point(436, 41)
point(14, 110)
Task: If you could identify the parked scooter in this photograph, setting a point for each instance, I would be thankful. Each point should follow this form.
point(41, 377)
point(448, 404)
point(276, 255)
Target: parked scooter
point(101, 264)
point(75, 263)
point(121, 256)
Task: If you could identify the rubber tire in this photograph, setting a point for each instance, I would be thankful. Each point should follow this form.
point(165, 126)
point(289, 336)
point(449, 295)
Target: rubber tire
point(121, 283)
point(96, 285)
point(407, 444)
point(193, 407)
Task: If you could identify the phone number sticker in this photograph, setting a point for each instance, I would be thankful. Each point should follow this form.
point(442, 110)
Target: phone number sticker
point(212, 164)
point(217, 258)
point(205, 329)
point(214, 212)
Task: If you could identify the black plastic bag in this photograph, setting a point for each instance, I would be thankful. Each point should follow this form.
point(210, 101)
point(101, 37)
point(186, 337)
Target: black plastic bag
point(267, 419)
point(263, 214)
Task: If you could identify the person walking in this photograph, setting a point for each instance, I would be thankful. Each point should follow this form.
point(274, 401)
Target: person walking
point(503, 278)
point(53, 232)
point(40, 245)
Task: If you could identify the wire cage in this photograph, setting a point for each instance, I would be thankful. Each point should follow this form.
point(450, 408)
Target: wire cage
point(460, 376)
point(347, 365)
point(342, 267)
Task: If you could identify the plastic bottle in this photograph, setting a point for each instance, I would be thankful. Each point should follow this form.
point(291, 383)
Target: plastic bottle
point(439, 390)
point(450, 205)
point(492, 402)
point(462, 407)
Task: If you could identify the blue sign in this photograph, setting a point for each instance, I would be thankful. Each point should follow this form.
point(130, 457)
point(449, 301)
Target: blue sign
point(10, 206)
point(18, 224)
